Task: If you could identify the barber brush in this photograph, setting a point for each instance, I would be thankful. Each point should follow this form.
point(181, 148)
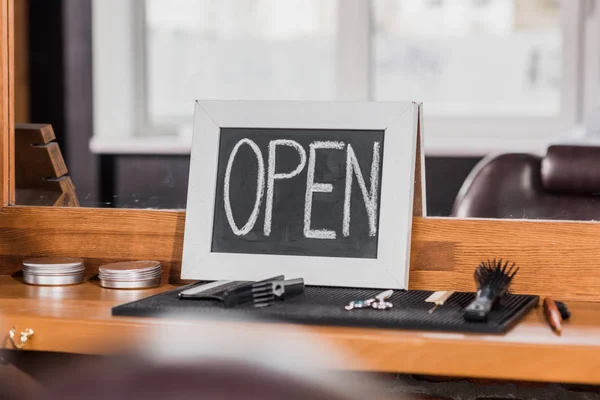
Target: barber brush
point(493, 280)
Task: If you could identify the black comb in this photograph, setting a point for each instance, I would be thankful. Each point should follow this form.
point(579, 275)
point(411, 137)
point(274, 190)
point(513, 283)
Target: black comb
point(258, 293)
point(493, 279)
point(262, 294)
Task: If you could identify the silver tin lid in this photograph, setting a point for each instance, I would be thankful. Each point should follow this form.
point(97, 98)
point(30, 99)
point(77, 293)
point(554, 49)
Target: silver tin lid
point(132, 279)
point(53, 262)
point(130, 267)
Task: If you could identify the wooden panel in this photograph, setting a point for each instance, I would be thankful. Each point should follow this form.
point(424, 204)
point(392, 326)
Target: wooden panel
point(77, 319)
point(426, 256)
point(6, 101)
point(556, 258)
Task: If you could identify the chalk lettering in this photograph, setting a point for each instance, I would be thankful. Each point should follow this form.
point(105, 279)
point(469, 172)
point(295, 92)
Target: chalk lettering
point(260, 187)
point(370, 199)
point(272, 176)
point(312, 186)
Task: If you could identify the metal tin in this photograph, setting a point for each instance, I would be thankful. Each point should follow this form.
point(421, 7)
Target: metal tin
point(130, 275)
point(130, 266)
point(52, 280)
point(149, 274)
point(140, 284)
point(53, 271)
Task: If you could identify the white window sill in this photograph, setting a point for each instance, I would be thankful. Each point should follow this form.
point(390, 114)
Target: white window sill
point(157, 145)
point(450, 146)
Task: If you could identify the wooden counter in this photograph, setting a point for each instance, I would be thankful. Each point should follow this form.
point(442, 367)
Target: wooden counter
point(77, 319)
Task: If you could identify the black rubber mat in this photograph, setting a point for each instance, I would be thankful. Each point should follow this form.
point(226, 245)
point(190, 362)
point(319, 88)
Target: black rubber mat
point(325, 306)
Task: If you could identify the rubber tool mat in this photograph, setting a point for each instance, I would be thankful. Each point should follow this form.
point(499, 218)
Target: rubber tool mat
point(325, 306)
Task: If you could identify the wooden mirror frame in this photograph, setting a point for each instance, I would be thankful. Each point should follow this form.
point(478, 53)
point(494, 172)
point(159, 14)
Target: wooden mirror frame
point(556, 258)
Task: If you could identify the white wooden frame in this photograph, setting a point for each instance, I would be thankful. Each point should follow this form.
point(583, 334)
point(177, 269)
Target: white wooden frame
point(388, 270)
point(119, 72)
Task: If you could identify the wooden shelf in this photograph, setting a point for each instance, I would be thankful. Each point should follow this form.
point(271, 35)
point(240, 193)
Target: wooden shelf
point(77, 319)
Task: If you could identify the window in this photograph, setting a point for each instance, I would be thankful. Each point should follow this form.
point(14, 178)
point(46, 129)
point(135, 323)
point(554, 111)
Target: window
point(470, 58)
point(494, 75)
point(237, 49)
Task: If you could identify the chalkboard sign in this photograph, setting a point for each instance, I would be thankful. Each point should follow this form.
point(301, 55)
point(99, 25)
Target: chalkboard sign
point(322, 191)
point(298, 192)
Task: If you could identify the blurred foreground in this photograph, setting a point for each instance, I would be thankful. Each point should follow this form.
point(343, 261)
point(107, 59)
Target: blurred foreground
point(203, 360)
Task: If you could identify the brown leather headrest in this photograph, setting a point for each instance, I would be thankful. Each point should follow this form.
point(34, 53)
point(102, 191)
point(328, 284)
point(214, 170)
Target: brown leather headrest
point(572, 169)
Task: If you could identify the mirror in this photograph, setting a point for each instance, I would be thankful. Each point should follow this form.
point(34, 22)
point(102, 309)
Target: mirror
point(497, 77)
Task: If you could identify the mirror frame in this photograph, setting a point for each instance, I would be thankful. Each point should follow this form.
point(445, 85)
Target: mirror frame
point(556, 257)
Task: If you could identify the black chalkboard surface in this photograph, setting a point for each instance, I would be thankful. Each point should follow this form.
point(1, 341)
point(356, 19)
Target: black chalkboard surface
point(269, 201)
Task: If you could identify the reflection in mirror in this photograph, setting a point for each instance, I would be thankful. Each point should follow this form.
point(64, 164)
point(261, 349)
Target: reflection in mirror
point(500, 80)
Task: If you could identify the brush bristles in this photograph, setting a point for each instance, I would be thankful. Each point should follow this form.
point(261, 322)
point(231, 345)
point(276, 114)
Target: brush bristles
point(496, 275)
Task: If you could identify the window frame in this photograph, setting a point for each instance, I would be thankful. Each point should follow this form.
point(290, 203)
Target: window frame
point(121, 124)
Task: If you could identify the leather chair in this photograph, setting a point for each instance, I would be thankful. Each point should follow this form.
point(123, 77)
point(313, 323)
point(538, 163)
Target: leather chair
point(562, 185)
point(129, 378)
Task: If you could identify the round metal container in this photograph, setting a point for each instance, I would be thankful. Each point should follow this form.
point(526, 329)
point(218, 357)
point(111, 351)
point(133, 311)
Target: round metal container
point(52, 280)
point(129, 267)
point(53, 271)
point(135, 276)
point(143, 284)
point(130, 275)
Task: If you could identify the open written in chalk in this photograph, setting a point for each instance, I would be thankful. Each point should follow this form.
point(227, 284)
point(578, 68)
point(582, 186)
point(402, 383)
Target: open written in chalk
point(319, 190)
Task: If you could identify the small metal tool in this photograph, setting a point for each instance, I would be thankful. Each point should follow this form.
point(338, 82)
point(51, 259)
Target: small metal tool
point(380, 302)
point(360, 304)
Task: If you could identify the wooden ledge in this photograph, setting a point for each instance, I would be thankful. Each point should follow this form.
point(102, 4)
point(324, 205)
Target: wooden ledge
point(556, 258)
point(77, 319)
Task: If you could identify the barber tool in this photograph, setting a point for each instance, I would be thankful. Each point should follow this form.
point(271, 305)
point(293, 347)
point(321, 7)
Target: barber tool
point(493, 279)
point(236, 293)
point(258, 293)
point(53, 271)
point(438, 298)
point(378, 302)
point(288, 288)
point(210, 290)
point(355, 304)
point(130, 275)
point(553, 314)
point(264, 293)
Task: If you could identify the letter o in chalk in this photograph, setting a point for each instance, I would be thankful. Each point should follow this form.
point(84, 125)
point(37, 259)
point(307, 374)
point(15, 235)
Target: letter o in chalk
point(260, 188)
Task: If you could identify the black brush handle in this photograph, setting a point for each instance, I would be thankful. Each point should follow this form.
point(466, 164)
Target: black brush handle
point(479, 309)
